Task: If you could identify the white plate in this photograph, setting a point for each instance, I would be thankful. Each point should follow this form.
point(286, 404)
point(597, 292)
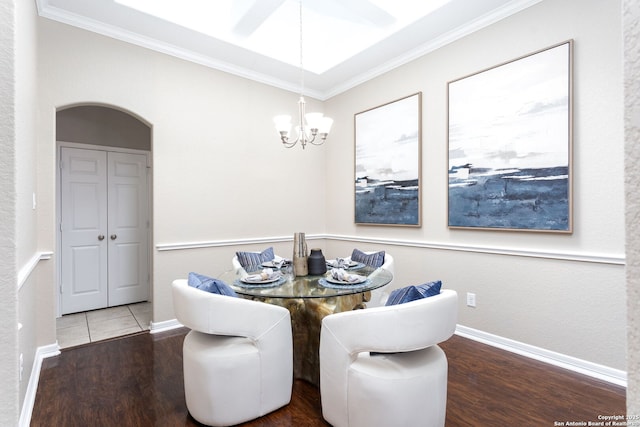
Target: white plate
point(270, 264)
point(341, 282)
point(331, 263)
point(258, 282)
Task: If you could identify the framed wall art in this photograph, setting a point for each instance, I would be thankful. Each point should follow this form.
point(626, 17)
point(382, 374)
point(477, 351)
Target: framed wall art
point(388, 162)
point(510, 145)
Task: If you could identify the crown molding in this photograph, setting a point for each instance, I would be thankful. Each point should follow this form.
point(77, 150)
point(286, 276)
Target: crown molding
point(323, 90)
point(445, 39)
point(45, 10)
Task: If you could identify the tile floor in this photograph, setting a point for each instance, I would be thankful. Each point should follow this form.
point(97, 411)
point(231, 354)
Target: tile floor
point(82, 328)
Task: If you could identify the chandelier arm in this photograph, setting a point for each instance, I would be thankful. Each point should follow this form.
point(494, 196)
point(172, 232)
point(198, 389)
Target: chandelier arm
point(289, 144)
point(303, 137)
point(322, 139)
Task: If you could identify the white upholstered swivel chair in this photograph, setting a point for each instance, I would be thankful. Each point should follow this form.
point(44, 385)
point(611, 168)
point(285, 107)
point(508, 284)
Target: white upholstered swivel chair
point(235, 263)
point(237, 358)
point(405, 386)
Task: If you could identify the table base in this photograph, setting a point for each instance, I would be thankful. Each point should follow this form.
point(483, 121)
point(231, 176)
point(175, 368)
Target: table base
point(306, 322)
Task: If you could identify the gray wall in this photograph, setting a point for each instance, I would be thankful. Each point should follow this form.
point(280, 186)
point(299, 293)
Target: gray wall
point(564, 293)
point(631, 9)
point(9, 405)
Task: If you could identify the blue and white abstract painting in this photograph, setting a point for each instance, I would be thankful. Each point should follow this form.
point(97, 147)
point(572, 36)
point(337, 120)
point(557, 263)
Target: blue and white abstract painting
point(387, 163)
point(510, 145)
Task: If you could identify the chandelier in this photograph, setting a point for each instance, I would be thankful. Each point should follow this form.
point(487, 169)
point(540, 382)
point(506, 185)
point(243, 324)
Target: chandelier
point(309, 125)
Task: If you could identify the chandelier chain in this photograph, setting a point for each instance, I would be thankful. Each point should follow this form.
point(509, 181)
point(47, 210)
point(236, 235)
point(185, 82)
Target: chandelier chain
point(301, 61)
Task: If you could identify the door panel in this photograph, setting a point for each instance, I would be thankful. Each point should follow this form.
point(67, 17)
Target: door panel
point(104, 238)
point(85, 280)
point(128, 229)
point(84, 221)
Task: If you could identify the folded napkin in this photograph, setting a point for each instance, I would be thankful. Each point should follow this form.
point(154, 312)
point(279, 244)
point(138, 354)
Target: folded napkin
point(278, 262)
point(265, 274)
point(340, 262)
point(343, 276)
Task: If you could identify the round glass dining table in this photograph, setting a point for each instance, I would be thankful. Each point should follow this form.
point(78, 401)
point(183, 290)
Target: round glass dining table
point(309, 299)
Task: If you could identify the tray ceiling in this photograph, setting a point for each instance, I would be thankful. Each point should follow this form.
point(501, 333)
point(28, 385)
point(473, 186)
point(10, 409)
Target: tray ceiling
point(345, 42)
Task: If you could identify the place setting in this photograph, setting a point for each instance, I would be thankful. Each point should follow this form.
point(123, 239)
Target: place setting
point(266, 278)
point(276, 263)
point(339, 278)
point(345, 264)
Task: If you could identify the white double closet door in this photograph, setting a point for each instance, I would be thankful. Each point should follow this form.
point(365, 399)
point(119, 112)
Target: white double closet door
point(104, 229)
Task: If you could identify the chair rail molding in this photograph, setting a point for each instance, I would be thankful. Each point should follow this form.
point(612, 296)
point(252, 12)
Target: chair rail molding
point(589, 257)
point(28, 268)
point(235, 242)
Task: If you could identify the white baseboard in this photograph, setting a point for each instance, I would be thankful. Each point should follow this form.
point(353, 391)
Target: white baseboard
point(605, 373)
point(167, 325)
point(30, 395)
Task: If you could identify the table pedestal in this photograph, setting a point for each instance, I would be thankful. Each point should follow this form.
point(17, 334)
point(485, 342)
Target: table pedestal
point(309, 301)
point(306, 322)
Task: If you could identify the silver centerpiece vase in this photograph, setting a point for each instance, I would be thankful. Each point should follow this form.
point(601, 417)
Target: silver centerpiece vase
point(300, 267)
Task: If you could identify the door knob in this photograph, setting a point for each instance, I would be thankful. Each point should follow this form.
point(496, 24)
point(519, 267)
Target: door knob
point(101, 237)
point(114, 237)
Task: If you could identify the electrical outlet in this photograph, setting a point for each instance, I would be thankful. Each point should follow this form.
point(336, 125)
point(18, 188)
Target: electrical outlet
point(471, 299)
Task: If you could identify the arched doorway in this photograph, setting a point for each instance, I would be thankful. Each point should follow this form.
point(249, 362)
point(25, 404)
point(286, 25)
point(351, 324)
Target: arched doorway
point(104, 212)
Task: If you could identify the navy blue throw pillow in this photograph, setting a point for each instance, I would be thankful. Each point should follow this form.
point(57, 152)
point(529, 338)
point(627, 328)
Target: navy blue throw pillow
point(255, 258)
point(413, 293)
point(429, 289)
point(209, 284)
point(374, 260)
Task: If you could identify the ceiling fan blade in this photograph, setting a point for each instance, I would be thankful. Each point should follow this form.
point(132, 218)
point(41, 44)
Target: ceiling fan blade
point(358, 11)
point(370, 12)
point(255, 15)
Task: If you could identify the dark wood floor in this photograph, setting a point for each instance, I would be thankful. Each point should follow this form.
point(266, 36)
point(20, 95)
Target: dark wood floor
point(137, 381)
